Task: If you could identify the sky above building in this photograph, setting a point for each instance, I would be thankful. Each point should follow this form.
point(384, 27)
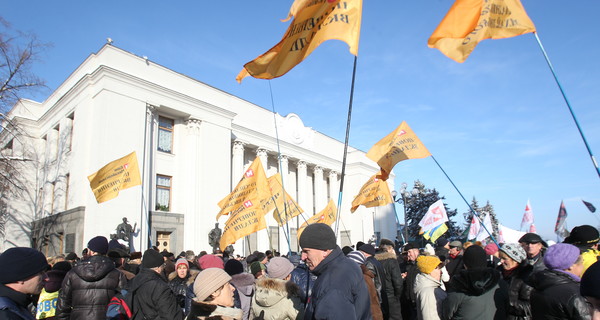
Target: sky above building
point(497, 124)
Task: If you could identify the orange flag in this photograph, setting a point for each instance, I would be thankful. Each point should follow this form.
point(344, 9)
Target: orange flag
point(470, 21)
point(282, 213)
point(397, 146)
point(314, 23)
point(374, 193)
point(248, 218)
point(326, 216)
point(253, 185)
point(117, 175)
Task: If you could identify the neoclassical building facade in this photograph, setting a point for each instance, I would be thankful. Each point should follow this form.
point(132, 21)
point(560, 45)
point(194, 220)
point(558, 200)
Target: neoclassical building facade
point(193, 143)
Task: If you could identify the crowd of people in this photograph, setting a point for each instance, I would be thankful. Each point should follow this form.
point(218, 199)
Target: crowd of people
point(453, 280)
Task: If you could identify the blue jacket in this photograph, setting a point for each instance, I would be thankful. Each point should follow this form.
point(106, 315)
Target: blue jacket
point(302, 277)
point(340, 291)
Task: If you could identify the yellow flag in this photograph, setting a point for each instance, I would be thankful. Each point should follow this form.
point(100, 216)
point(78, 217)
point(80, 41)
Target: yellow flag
point(116, 176)
point(374, 193)
point(282, 213)
point(314, 23)
point(326, 216)
point(397, 146)
point(436, 232)
point(246, 219)
point(252, 185)
point(470, 21)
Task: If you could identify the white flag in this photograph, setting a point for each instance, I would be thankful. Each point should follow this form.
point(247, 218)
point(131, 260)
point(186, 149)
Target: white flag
point(527, 216)
point(474, 228)
point(483, 234)
point(435, 216)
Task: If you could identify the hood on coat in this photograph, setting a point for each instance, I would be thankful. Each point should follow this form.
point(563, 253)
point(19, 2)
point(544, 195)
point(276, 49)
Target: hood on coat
point(385, 255)
point(189, 279)
point(243, 283)
point(270, 291)
point(426, 281)
point(474, 282)
point(94, 268)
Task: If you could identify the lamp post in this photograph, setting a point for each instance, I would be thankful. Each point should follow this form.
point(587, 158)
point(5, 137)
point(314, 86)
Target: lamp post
point(404, 194)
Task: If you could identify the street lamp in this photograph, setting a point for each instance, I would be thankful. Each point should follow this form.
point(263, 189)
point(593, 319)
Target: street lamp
point(404, 194)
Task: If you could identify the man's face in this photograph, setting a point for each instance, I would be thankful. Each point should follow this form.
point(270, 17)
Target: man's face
point(313, 257)
point(532, 249)
point(34, 284)
point(454, 251)
point(413, 254)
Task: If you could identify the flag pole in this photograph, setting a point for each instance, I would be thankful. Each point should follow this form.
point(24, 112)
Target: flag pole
point(465, 200)
point(567, 102)
point(339, 207)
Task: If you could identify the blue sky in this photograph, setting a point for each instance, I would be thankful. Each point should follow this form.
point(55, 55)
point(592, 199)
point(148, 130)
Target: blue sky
point(497, 123)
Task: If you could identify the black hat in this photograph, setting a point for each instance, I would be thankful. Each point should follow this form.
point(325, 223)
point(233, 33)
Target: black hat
point(98, 244)
point(63, 266)
point(346, 250)
point(152, 259)
point(441, 242)
point(583, 235)
point(410, 245)
point(475, 257)
point(118, 253)
point(72, 256)
point(532, 238)
point(318, 236)
point(260, 256)
point(21, 263)
point(233, 267)
point(590, 281)
point(367, 248)
point(386, 242)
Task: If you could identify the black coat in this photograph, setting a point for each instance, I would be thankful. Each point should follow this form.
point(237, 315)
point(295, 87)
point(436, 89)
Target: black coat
point(393, 283)
point(87, 289)
point(519, 292)
point(13, 304)
point(380, 283)
point(556, 296)
point(152, 297)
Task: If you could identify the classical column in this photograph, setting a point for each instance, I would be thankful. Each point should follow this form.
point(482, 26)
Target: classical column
point(284, 170)
point(262, 154)
point(263, 235)
point(302, 196)
point(320, 191)
point(237, 162)
point(334, 188)
point(192, 238)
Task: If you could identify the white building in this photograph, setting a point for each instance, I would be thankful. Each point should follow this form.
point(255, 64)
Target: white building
point(193, 143)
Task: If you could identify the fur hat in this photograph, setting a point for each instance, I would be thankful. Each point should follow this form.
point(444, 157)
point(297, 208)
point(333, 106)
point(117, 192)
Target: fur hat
point(561, 256)
point(514, 251)
point(20, 263)
point(386, 242)
point(152, 259)
point(318, 236)
point(279, 267)
point(475, 258)
point(98, 244)
point(427, 264)
point(208, 281)
point(135, 255)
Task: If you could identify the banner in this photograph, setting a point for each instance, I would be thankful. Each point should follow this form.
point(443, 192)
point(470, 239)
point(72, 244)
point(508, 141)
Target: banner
point(118, 175)
point(470, 21)
point(527, 216)
point(474, 228)
point(282, 214)
point(435, 216)
point(561, 222)
point(483, 234)
point(252, 185)
point(247, 219)
point(590, 206)
point(326, 216)
point(315, 22)
point(435, 233)
point(508, 235)
point(374, 193)
point(397, 146)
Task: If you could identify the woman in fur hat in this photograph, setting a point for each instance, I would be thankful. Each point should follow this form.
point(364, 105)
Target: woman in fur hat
point(180, 280)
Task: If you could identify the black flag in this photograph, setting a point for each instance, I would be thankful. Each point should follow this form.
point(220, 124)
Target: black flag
point(589, 206)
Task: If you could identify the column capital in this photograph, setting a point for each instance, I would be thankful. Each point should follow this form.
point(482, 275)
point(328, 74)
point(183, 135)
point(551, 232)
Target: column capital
point(260, 151)
point(333, 174)
point(193, 125)
point(318, 169)
point(301, 164)
point(238, 145)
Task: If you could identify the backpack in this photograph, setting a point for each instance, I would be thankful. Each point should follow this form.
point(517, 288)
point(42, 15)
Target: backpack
point(120, 306)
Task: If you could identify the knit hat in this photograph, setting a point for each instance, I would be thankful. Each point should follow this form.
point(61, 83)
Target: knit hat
point(514, 251)
point(98, 244)
point(357, 257)
point(208, 281)
point(279, 267)
point(233, 267)
point(152, 259)
point(456, 244)
point(441, 242)
point(182, 261)
point(490, 248)
point(583, 235)
point(318, 236)
point(367, 248)
point(257, 266)
point(475, 258)
point(590, 281)
point(210, 261)
point(561, 256)
point(21, 263)
point(426, 264)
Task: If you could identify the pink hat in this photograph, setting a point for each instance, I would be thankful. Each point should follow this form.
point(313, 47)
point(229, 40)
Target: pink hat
point(182, 261)
point(211, 261)
point(491, 248)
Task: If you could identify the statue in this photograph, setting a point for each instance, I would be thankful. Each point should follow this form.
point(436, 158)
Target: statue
point(124, 230)
point(214, 237)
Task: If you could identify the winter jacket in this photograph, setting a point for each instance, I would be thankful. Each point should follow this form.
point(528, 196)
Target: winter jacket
point(442, 253)
point(369, 276)
point(393, 283)
point(537, 262)
point(304, 279)
point(179, 286)
point(87, 289)
point(276, 299)
point(340, 291)
point(244, 288)
point(556, 296)
point(429, 295)
point(454, 265)
point(152, 297)
point(379, 282)
point(205, 311)
point(519, 292)
point(13, 304)
point(476, 294)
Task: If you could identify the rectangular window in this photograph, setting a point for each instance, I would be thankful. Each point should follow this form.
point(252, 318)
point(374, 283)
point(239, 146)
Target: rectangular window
point(71, 117)
point(67, 180)
point(274, 238)
point(163, 193)
point(294, 239)
point(165, 134)
point(345, 238)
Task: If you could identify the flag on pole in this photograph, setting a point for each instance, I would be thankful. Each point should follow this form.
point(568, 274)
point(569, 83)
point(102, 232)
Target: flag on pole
point(474, 228)
point(246, 219)
point(117, 175)
point(487, 223)
point(314, 23)
point(470, 21)
point(281, 214)
point(253, 185)
point(326, 216)
point(436, 232)
point(374, 193)
point(435, 217)
point(589, 206)
point(561, 222)
point(527, 216)
point(397, 146)
point(532, 228)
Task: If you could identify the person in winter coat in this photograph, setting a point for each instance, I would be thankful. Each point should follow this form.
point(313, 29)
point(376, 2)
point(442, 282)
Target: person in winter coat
point(392, 278)
point(556, 289)
point(585, 237)
point(180, 280)
point(340, 291)
point(379, 272)
point(152, 298)
point(275, 297)
point(213, 297)
point(244, 286)
point(409, 274)
point(515, 272)
point(46, 308)
point(477, 292)
point(534, 246)
point(89, 286)
point(428, 288)
point(590, 288)
point(305, 279)
point(369, 276)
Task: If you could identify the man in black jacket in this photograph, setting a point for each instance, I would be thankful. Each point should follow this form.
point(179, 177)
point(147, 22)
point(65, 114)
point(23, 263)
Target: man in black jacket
point(377, 268)
point(392, 278)
point(152, 297)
